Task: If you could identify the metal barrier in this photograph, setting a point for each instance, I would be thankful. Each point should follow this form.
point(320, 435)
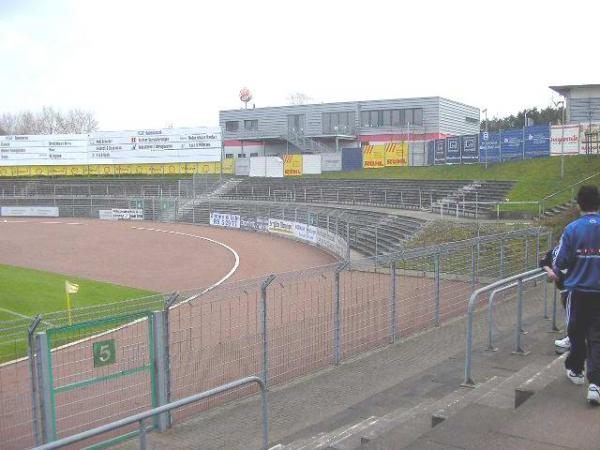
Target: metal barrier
point(519, 278)
point(139, 418)
point(491, 305)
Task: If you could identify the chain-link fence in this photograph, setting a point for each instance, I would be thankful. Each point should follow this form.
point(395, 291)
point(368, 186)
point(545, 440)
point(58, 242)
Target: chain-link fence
point(281, 327)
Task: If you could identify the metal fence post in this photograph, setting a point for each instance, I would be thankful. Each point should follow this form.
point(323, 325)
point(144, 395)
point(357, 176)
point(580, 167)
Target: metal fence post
point(45, 398)
point(473, 265)
point(519, 348)
point(161, 368)
point(502, 258)
point(337, 352)
point(264, 325)
point(436, 268)
point(170, 301)
point(393, 301)
point(526, 254)
point(33, 379)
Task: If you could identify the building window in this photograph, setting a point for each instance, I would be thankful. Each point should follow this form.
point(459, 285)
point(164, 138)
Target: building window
point(232, 125)
point(251, 124)
point(253, 155)
point(418, 116)
point(391, 118)
point(338, 122)
point(296, 123)
point(241, 155)
point(228, 155)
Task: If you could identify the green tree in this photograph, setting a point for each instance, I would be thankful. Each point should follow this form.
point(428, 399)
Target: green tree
point(549, 115)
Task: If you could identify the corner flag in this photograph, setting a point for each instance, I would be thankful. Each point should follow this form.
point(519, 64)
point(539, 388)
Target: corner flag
point(70, 288)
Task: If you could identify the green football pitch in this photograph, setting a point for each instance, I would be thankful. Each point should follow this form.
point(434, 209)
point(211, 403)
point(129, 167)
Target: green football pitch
point(25, 293)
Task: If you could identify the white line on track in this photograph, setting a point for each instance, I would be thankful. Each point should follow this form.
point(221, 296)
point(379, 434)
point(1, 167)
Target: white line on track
point(51, 222)
point(15, 221)
point(233, 252)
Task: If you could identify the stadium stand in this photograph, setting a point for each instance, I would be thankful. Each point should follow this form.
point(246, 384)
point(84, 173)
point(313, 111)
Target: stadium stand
point(473, 197)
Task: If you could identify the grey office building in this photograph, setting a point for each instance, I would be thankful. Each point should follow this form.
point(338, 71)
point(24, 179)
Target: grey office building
point(582, 102)
point(328, 127)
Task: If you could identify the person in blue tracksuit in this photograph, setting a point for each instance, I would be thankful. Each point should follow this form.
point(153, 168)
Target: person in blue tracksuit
point(579, 253)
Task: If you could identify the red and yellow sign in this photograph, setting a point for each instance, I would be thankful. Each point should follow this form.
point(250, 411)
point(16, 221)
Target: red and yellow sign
point(396, 155)
point(292, 165)
point(374, 157)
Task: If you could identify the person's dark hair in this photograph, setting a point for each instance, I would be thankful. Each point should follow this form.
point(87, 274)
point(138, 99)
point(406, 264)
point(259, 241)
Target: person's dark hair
point(588, 198)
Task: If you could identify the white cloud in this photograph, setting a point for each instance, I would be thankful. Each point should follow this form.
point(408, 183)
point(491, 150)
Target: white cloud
point(145, 64)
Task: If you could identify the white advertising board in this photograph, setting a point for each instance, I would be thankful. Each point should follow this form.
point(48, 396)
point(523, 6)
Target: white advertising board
point(564, 138)
point(266, 166)
point(225, 220)
point(280, 226)
point(114, 147)
point(29, 211)
point(121, 214)
point(311, 164)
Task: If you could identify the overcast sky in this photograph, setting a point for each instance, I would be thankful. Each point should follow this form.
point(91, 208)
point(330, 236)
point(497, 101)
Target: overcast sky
point(148, 64)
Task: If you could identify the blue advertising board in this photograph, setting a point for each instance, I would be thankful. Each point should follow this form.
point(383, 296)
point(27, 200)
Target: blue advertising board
point(537, 141)
point(469, 149)
point(489, 147)
point(352, 159)
point(512, 144)
point(440, 151)
point(453, 150)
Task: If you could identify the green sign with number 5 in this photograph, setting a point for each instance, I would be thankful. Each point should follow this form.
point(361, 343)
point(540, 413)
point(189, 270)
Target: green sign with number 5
point(104, 353)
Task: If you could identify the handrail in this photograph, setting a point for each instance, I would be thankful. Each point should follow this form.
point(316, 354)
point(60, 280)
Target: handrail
point(570, 186)
point(140, 417)
point(491, 305)
point(468, 381)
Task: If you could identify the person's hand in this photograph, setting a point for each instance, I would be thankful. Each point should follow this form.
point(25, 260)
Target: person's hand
point(551, 275)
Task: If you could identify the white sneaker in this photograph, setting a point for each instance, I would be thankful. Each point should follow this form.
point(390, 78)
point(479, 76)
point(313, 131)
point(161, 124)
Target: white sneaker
point(593, 395)
point(576, 378)
point(563, 344)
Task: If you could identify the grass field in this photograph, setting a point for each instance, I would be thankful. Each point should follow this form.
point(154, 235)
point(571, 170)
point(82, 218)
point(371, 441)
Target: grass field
point(27, 292)
point(535, 178)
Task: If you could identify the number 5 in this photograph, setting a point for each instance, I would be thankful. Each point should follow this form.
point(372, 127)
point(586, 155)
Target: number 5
point(104, 353)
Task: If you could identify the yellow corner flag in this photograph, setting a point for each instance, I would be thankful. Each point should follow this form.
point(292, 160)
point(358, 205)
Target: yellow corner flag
point(70, 288)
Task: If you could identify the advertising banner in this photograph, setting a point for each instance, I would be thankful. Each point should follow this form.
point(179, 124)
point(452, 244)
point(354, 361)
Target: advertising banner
point(374, 157)
point(29, 211)
point(255, 224)
point(121, 214)
point(332, 242)
point(453, 150)
point(305, 232)
point(396, 154)
point(440, 152)
point(537, 141)
point(292, 165)
point(225, 220)
point(279, 226)
point(331, 162)
point(564, 139)
point(512, 144)
point(489, 147)
point(469, 149)
point(166, 145)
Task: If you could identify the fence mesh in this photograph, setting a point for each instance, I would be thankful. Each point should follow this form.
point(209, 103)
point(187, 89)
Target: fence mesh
point(314, 318)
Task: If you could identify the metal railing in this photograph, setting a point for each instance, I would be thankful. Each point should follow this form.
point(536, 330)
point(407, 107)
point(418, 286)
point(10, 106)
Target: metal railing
point(519, 278)
point(571, 188)
point(141, 417)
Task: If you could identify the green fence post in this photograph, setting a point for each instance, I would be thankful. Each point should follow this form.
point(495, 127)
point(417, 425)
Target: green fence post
point(45, 386)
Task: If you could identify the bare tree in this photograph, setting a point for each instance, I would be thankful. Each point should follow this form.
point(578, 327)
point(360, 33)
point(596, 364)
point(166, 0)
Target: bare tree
point(298, 98)
point(49, 121)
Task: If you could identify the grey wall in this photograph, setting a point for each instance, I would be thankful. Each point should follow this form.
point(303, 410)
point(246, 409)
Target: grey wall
point(440, 115)
point(453, 118)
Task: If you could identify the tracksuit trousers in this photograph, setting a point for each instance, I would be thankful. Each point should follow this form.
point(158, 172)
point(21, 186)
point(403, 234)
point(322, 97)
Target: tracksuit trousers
point(583, 318)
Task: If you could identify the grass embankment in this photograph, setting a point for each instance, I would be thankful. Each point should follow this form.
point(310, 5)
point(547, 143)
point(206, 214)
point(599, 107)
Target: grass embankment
point(536, 178)
point(24, 293)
